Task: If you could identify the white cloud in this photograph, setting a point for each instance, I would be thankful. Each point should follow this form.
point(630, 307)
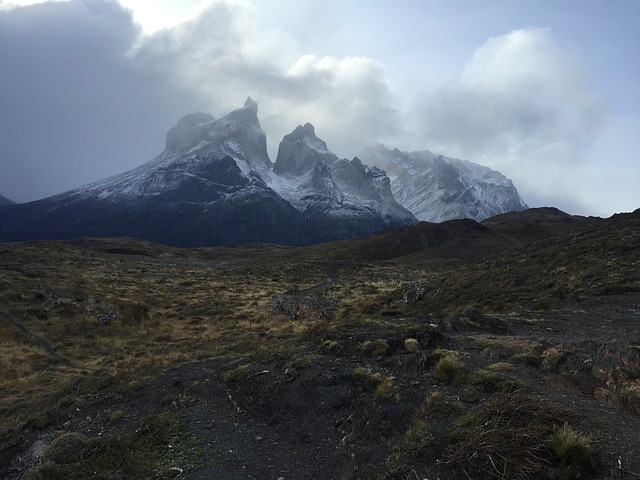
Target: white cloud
point(154, 15)
point(225, 56)
point(521, 105)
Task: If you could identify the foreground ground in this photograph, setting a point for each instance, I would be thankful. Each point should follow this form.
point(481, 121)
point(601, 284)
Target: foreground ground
point(504, 350)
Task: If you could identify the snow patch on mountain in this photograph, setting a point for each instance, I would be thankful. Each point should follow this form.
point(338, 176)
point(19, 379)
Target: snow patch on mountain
point(197, 139)
point(315, 180)
point(436, 188)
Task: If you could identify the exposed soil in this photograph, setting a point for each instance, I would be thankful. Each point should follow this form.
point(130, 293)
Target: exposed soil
point(320, 423)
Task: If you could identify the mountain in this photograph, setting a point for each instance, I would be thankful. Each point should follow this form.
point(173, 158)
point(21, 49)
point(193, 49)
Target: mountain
point(538, 223)
point(332, 193)
point(214, 184)
point(300, 151)
point(206, 188)
point(436, 188)
point(5, 201)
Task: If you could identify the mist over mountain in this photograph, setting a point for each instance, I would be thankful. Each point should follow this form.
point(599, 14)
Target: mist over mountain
point(436, 188)
point(214, 184)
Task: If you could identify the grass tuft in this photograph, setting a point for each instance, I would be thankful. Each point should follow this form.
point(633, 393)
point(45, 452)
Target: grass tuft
point(376, 348)
point(450, 370)
point(572, 451)
point(411, 345)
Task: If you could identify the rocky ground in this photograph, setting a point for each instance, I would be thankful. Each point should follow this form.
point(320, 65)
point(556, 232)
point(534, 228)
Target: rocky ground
point(334, 362)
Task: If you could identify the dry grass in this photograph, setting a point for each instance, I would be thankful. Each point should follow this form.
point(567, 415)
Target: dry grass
point(450, 370)
point(71, 310)
point(572, 449)
point(517, 436)
point(80, 319)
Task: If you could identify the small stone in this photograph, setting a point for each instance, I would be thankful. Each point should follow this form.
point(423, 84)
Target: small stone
point(175, 471)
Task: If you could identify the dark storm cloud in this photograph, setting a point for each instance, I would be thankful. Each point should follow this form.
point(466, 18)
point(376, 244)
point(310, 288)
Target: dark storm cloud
point(75, 107)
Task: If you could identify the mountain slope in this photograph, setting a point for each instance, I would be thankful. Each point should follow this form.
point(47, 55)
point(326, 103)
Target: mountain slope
point(336, 195)
point(436, 188)
point(214, 184)
point(204, 189)
point(5, 201)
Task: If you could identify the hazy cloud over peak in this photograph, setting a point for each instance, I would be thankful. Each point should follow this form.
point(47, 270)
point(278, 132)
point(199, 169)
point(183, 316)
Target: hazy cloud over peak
point(518, 96)
point(87, 94)
point(224, 56)
point(523, 106)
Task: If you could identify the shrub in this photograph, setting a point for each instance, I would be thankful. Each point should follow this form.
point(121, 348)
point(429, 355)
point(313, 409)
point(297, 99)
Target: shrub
point(384, 388)
point(365, 375)
point(494, 382)
point(552, 358)
point(517, 436)
point(572, 450)
point(450, 369)
point(430, 425)
point(528, 359)
point(377, 348)
point(67, 448)
point(411, 345)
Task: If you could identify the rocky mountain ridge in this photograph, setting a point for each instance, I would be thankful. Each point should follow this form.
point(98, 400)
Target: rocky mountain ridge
point(214, 184)
point(436, 188)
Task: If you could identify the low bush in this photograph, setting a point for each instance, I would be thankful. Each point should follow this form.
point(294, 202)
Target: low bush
point(519, 436)
point(376, 348)
point(450, 370)
point(572, 451)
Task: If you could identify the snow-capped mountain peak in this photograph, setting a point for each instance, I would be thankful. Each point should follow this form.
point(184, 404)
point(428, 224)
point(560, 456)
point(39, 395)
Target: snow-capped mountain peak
point(214, 184)
point(324, 187)
point(436, 188)
point(300, 151)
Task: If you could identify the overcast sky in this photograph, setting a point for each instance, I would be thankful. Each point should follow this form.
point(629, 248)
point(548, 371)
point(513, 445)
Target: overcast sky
point(547, 92)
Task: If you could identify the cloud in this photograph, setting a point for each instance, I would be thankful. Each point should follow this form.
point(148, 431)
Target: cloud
point(87, 94)
point(75, 108)
point(225, 56)
point(521, 105)
point(347, 99)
